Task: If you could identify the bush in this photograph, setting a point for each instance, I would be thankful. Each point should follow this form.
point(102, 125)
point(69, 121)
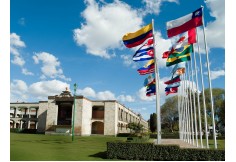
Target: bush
point(149, 151)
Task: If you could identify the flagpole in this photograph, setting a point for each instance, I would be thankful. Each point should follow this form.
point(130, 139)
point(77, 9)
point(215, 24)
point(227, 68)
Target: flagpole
point(157, 90)
point(198, 101)
point(203, 93)
point(191, 105)
point(209, 81)
point(194, 102)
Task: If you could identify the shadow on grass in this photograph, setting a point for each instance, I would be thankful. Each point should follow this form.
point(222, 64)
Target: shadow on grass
point(102, 155)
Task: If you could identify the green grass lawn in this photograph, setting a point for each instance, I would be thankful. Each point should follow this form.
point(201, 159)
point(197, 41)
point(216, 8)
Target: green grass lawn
point(37, 147)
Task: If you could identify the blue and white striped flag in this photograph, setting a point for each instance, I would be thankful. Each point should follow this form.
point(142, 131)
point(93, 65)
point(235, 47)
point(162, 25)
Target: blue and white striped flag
point(145, 52)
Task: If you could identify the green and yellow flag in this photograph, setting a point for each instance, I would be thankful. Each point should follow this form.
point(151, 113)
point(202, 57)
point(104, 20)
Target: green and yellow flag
point(180, 55)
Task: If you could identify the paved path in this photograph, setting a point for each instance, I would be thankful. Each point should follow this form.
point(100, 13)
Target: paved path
point(179, 142)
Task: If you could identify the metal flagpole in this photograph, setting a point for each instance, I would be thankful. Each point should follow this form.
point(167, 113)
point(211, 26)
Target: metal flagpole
point(194, 102)
point(198, 101)
point(191, 105)
point(181, 111)
point(209, 81)
point(73, 122)
point(203, 94)
point(157, 91)
point(187, 110)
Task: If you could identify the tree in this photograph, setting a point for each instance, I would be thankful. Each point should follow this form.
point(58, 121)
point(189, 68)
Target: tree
point(136, 127)
point(169, 114)
point(153, 122)
point(219, 106)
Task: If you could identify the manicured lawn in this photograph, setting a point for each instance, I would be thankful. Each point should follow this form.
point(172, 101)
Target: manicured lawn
point(35, 147)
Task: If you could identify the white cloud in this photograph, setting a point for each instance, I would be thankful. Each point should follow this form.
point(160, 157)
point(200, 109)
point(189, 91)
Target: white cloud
point(215, 30)
point(216, 74)
point(125, 98)
point(128, 61)
point(41, 90)
point(15, 45)
point(153, 7)
point(20, 91)
point(51, 66)
point(87, 92)
point(105, 25)
point(26, 72)
point(105, 95)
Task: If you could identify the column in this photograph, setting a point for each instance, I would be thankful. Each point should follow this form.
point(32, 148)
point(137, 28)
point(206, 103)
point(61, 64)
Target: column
point(28, 127)
point(36, 125)
point(29, 112)
point(21, 122)
point(14, 124)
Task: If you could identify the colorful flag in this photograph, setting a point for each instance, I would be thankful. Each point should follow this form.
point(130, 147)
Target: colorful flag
point(134, 39)
point(178, 66)
point(180, 55)
point(184, 23)
point(180, 71)
point(176, 84)
point(185, 38)
point(171, 90)
point(149, 80)
point(148, 68)
point(173, 80)
point(145, 52)
point(151, 90)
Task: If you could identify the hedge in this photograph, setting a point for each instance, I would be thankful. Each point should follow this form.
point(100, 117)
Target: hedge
point(149, 151)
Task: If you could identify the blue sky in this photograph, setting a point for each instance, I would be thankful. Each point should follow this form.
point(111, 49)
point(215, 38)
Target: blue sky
point(55, 44)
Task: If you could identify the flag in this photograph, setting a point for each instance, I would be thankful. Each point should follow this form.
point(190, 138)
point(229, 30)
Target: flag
point(148, 68)
point(171, 90)
point(145, 52)
point(173, 80)
point(149, 80)
point(176, 84)
point(184, 23)
point(151, 90)
point(185, 38)
point(180, 71)
point(134, 39)
point(178, 66)
point(180, 55)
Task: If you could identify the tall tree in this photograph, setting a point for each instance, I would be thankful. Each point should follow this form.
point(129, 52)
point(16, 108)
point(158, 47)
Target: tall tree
point(153, 122)
point(169, 114)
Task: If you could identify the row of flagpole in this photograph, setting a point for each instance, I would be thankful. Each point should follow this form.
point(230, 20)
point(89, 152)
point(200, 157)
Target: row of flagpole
point(182, 54)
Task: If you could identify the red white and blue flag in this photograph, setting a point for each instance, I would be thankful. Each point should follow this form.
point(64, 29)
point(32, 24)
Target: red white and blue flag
point(173, 80)
point(171, 90)
point(145, 52)
point(148, 68)
point(184, 23)
point(151, 90)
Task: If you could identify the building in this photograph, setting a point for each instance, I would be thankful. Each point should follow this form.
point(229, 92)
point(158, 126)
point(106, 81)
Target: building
point(106, 117)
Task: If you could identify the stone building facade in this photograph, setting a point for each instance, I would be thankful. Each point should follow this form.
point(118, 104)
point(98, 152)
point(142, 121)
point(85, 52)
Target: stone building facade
point(55, 116)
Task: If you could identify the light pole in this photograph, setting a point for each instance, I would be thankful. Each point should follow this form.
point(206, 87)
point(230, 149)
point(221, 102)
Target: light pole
point(73, 120)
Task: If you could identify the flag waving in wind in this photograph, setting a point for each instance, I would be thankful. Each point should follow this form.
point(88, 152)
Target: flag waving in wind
point(145, 52)
point(184, 23)
point(134, 39)
point(185, 38)
point(148, 68)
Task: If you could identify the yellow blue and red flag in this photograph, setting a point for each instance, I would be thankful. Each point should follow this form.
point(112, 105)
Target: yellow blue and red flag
point(134, 39)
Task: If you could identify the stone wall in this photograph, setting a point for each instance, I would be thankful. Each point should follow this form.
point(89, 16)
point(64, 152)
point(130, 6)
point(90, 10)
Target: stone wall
point(110, 118)
point(86, 117)
point(51, 114)
point(42, 116)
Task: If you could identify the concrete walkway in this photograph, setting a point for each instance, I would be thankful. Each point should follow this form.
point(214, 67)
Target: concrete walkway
point(179, 142)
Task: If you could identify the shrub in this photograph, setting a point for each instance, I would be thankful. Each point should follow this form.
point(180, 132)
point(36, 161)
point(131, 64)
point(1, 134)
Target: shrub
point(149, 151)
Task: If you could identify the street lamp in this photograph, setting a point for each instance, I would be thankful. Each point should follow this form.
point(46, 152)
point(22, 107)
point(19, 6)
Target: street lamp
point(73, 120)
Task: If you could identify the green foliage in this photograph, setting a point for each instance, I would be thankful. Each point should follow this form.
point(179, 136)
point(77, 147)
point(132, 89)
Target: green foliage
point(136, 127)
point(153, 122)
point(169, 114)
point(148, 151)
